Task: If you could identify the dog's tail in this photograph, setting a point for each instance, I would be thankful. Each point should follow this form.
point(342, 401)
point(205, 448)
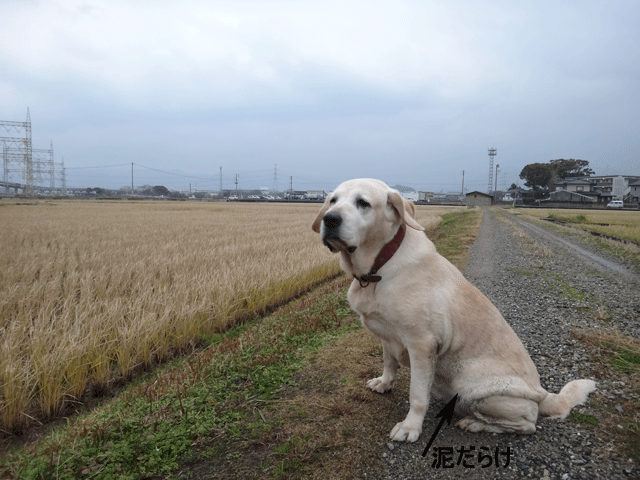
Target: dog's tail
point(572, 394)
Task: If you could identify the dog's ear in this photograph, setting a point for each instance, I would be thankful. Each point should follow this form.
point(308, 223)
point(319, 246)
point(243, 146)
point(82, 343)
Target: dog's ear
point(405, 209)
point(410, 207)
point(316, 223)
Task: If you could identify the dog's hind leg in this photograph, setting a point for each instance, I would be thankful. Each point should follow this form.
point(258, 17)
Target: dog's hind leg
point(501, 414)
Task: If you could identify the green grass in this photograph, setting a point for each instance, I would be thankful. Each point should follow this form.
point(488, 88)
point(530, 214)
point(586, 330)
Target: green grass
point(578, 417)
point(625, 360)
point(454, 233)
point(580, 218)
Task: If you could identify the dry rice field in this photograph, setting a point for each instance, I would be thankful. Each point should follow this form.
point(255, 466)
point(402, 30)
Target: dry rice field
point(621, 224)
point(91, 290)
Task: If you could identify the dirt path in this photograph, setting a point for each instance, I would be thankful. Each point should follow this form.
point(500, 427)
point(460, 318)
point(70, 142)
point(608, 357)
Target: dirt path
point(545, 297)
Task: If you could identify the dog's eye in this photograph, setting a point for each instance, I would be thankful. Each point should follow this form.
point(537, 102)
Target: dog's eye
point(333, 200)
point(363, 203)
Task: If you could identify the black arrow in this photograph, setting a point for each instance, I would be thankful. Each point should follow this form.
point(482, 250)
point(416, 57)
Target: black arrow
point(447, 414)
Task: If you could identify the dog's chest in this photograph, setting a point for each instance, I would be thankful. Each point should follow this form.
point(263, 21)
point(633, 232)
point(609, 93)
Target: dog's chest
point(364, 302)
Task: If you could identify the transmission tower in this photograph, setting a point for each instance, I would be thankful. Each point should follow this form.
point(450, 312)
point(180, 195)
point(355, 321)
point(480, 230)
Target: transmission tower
point(15, 138)
point(24, 166)
point(492, 153)
point(274, 189)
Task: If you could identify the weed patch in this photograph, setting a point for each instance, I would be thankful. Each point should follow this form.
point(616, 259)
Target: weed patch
point(613, 351)
point(455, 233)
point(586, 418)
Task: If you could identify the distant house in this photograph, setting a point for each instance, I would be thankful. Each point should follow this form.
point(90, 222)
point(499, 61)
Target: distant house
point(565, 196)
point(408, 193)
point(478, 199)
point(602, 188)
point(425, 196)
point(316, 195)
point(574, 184)
point(634, 191)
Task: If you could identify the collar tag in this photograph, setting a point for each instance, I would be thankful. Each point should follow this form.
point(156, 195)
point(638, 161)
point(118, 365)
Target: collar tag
point(365, 280)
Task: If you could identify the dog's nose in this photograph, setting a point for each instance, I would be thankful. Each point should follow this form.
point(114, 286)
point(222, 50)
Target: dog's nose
point(332, 220)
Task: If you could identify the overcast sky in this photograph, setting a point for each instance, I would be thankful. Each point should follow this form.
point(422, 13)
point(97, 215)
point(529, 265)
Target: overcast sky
point(410, 92)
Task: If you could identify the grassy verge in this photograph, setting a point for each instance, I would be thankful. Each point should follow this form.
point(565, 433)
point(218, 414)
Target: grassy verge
point(614, 353)
point(623, 225)
point(455, 233)
point(280, 397)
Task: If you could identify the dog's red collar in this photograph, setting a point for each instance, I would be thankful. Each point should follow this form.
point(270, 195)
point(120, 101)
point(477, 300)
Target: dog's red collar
point(383, 257)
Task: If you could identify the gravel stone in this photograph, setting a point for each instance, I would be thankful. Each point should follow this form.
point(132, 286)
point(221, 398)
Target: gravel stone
point(542, 299)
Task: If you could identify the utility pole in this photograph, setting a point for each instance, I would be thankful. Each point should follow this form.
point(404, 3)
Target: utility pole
point(131, 178)
point(63, 179)
point(274, 188)
point(220, 181)
point(290, 187)
point(462, 192)
point(236, 184)
point(497, 168)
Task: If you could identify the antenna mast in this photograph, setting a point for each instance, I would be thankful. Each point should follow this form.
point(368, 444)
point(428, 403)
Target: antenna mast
point(492, 153)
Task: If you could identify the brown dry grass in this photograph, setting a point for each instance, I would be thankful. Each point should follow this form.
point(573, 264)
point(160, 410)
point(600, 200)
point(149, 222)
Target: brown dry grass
point(527, 243)
point(89, 290)
point(621, 224)
point(430, 216)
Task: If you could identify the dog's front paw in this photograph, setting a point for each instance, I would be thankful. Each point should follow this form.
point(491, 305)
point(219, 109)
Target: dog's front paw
point(406, 432)
point(379, 384)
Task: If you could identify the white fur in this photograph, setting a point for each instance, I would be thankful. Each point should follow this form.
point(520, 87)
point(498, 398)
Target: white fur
point(433, 321)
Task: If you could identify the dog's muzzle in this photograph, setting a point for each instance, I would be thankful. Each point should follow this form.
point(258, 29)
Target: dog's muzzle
point(331, 234)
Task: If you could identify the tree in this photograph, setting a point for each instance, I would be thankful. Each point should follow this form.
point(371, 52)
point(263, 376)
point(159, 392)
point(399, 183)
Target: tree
point(160, 190)
point(571, 168)
point(542, 176)
point(537, 175)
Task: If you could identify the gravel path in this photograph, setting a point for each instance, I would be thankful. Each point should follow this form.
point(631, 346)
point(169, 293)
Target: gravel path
point(543, 299)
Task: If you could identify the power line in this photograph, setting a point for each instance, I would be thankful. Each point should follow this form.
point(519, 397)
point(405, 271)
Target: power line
point(101, 166)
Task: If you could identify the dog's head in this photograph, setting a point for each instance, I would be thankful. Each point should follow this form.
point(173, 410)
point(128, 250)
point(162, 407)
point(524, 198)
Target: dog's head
point(362, 213)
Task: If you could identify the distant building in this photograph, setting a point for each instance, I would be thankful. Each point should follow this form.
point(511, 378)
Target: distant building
point(408, 193)
point(425, 196)
point(478, 199)
point(315, 195)
point(602, 188)
point(566, 196)
point(635, 191)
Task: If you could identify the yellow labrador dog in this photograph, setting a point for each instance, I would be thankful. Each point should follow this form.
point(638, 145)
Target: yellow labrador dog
point(432, 320)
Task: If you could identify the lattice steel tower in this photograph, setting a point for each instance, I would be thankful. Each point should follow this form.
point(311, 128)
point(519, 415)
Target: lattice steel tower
point(492, 153)
point(15, 138)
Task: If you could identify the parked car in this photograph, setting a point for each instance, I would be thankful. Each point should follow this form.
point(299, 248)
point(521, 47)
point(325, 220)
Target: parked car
point(232, 198)
point(615, 204)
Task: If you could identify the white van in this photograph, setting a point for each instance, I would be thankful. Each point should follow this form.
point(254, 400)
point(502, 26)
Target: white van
point(615, 204)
